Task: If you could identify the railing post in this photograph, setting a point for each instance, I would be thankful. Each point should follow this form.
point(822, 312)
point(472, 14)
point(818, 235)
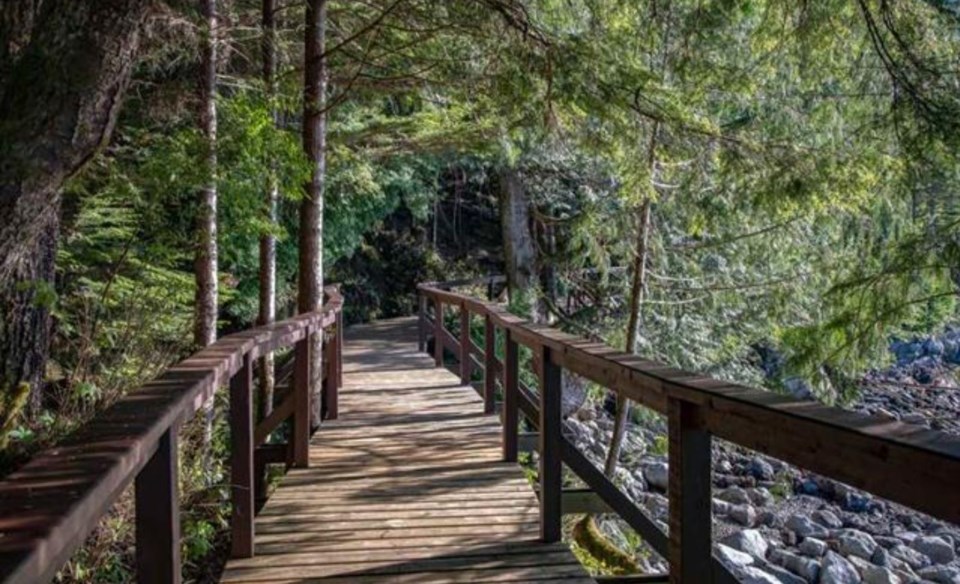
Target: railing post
point(300, 436)
point(339, 355)
point(438, 332)
point(689, 494)
point(465, 344)
point(333, 378)
point(241, 461)
point(511, 414)
point(421, 321)
point(551, 468)
point(158, 515)
point(489, 365)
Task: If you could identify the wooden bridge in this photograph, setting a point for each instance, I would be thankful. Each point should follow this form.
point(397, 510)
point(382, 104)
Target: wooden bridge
point(413, 475)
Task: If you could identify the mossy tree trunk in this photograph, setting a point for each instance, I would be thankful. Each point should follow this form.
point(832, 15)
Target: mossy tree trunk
point(310, 292)
point(64, 68)
point(268, 241)
point(519, 248)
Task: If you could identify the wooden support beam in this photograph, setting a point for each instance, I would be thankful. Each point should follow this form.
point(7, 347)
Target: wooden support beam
point(511, 413)
point(241, 461)
point(438, 332)
point(583, 501)
point(489, 365)
point(300, 439)
point(339, 355)
point(158, 515)
point(332, 389)
point(551, 466)
point(465, 344)
point(422, 322)
point(689, 494)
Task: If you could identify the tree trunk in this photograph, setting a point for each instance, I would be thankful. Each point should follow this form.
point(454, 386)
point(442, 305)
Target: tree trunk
point(310, 293)
point(638, 286)
point(520, 252)
point(63, 73)
point(268, 242)
point(205, 265)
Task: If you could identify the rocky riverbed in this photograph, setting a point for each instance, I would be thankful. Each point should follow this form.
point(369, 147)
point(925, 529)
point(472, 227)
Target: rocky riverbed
point(775, 523)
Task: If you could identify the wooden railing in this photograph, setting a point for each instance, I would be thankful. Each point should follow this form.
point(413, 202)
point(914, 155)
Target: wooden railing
point(905, 463)
point(48, 507)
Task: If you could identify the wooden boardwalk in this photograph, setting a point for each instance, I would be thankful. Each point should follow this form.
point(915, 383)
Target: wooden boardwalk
point(407, 486)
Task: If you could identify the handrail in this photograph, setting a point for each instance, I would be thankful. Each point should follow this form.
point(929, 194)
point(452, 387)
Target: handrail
point(908, 464)
point(50, 505)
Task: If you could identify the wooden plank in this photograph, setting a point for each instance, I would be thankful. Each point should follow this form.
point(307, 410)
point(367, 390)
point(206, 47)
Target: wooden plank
point(551, 467)
point(689, 494)
point(158, 515)
point(277, 416)
point(241, 462)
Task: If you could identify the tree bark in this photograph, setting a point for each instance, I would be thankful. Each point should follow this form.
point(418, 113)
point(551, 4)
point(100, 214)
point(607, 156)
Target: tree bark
point(268, 242)
point(520, 252)
point(310, 291)
point(638, 287)
point(205, 267)
point(64, 70)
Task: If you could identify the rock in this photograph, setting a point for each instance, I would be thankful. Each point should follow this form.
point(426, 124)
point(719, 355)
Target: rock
point(813, 547)
point(760, 496)
point(887, 541)
point(657, 474)
point(880, 557)
point(770, 519)
point(934, 547)
point(878, 575)
point(913, 558)
point(745, 515)
point(827, 518)
point(806, 568)
point(734, 495)
point(749, 541)
point(803, 527)
point(783, 575)
point(798, 388)
point(941, 574)
point(753, 575)
point(852, 542)
point(731, 557)
point(837, 570)
point(721, 508)
point(761, 469)
point(913, 418)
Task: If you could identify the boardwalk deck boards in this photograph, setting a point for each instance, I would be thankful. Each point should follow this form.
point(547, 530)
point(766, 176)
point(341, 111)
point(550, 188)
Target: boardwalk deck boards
point(408, 485)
